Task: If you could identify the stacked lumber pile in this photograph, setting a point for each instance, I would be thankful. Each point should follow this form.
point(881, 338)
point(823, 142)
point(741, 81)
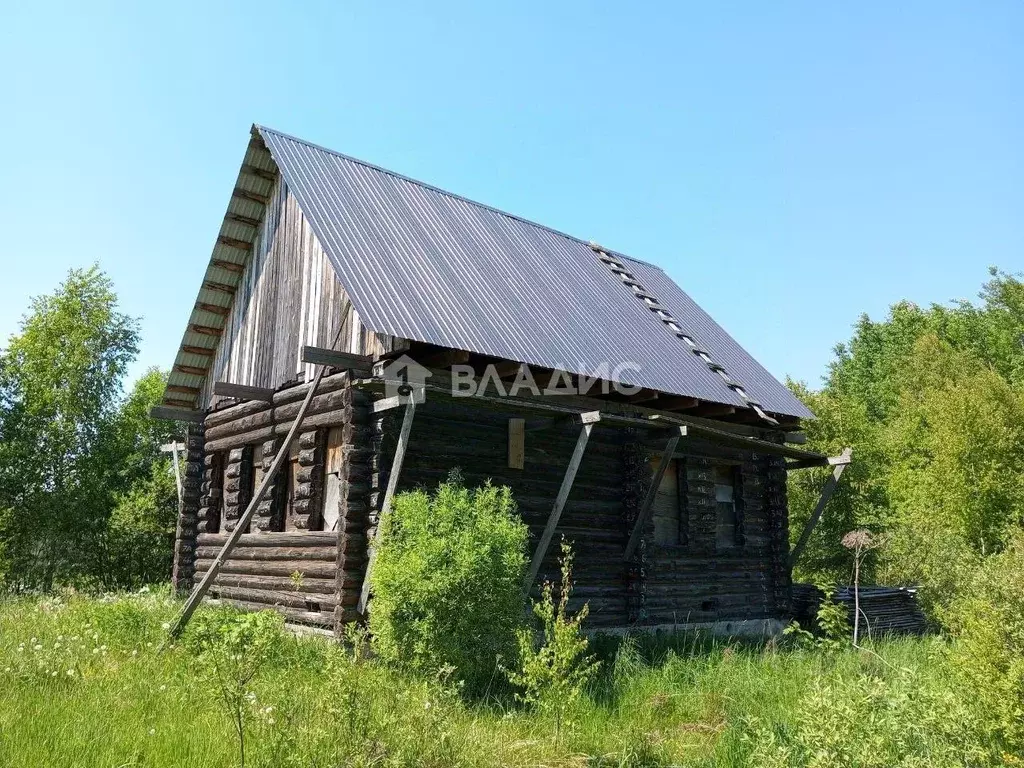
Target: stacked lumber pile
point(884, 610)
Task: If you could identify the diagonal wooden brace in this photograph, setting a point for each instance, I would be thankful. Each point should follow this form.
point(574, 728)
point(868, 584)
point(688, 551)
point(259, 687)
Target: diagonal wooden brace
point(648, 504)
point(389, 495)
point(839, 464)
point(243, 522)
point(588, 419)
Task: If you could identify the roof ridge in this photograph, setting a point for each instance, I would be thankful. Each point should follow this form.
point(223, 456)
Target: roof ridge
point(447, 193)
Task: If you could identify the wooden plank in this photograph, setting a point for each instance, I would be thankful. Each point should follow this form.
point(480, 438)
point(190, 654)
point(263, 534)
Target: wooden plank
point(392, 484)
point(234, 242)
point(389, 495)
point(254, 197)
point(826, 493)
point(204, 351)
point(516, 443)
point(388, 403)
point(230, 266)
point(652, 491)
point(563, 496)
point(700, 429)
point(237, 217)
point(335, 359)
point(677, 403)
point(243, 522)
point(192, 370)
point(273, 539)
point(259, 172)
point(175, 402)
point(176, 414)
point(243, 392)
point(182, 389)
point(205, 330)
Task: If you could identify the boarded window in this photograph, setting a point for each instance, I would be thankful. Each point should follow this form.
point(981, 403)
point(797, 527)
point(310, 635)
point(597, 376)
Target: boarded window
point(667, 517)
point(332, 480)
point(725, 504)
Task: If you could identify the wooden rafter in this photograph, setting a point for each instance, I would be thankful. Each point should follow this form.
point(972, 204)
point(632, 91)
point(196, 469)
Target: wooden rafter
point(205, 351)
point(234, 242)
point(254, 197)
point(192, 370)
point(213, 308)
point(213, 285)
point(259, 172)
point(243, 392)
point(205, 330)
point(181, 388)
point(240, 219)
point(230, 266)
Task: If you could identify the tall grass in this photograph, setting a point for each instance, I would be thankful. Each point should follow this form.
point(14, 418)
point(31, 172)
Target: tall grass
point(82, 684)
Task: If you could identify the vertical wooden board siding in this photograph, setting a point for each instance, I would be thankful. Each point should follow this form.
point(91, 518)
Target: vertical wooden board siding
point(288, 296)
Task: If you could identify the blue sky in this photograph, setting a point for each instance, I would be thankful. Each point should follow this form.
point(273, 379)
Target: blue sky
point(791, 165)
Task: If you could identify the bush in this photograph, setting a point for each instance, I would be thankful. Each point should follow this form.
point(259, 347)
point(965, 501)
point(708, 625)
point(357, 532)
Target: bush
point(447, 583)
point(554, 672)
point(989, 653)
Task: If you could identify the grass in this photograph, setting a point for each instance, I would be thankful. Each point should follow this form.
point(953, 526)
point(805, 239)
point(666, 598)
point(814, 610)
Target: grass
point(82, 683)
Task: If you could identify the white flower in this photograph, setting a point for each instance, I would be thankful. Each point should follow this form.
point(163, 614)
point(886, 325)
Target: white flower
point(165, 626)
point(95, 650)
point(135, 653)
point(71, 673)
point(152, 731)
point(270, 721)
point(33, 641)
point(37, 647)
point(163, 687)
point(149, 645)
point(54, 673)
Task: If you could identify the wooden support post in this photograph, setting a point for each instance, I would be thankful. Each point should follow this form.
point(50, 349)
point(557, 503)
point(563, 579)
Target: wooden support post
point(839, 464)
point(243, 522)
point(648, 504)
point(589, 419)
point(389, 494)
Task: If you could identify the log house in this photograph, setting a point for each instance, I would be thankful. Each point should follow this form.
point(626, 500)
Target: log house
point(668, 476)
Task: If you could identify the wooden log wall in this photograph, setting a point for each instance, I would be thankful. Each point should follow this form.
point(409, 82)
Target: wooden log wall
point(695, 581)
point(300, 572)
point(188, 521)
point(465, 434)
point(294, 573)
point(704, 580)
point(289, 295)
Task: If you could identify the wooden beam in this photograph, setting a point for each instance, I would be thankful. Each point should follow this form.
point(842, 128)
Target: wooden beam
point(205, 351)
point(175, 402)
point(240, 219)
point(205, 330)
point(714, 409)
point(192, 370)
point(253, 197)
point(589, 420)
point(677, 403)
point(253, 170)
point(389, 495)
point(243, 522)
point(445, 358)
point(343, 360)
point(183, 389)
point(230, 266)
point(190, 415)
point(516, 443)
point(652, 491)
point(699, 428)
point(213, 308)
point(826, 493)
point(212, 285)
point(507, 368)
point(243, 392)
point(645, 395)
point(233, 242)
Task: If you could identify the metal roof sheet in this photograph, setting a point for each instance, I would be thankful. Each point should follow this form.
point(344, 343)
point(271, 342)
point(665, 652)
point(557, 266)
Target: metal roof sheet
point(428, 265)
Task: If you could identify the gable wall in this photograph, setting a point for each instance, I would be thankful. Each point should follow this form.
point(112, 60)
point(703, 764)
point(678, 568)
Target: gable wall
point(288, 296)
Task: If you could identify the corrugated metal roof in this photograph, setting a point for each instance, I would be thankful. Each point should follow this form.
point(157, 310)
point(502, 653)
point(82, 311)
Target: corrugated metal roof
point(427, 265)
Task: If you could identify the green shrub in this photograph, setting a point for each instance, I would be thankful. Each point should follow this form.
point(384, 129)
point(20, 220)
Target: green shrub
point(989, 653)
point(447, 583)
point(554, 671)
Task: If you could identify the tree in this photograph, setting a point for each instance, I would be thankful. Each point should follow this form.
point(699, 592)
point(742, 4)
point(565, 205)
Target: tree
point(69, 445)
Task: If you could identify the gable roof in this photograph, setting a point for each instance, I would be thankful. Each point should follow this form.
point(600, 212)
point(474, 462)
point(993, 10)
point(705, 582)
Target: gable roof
point(427, 265)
